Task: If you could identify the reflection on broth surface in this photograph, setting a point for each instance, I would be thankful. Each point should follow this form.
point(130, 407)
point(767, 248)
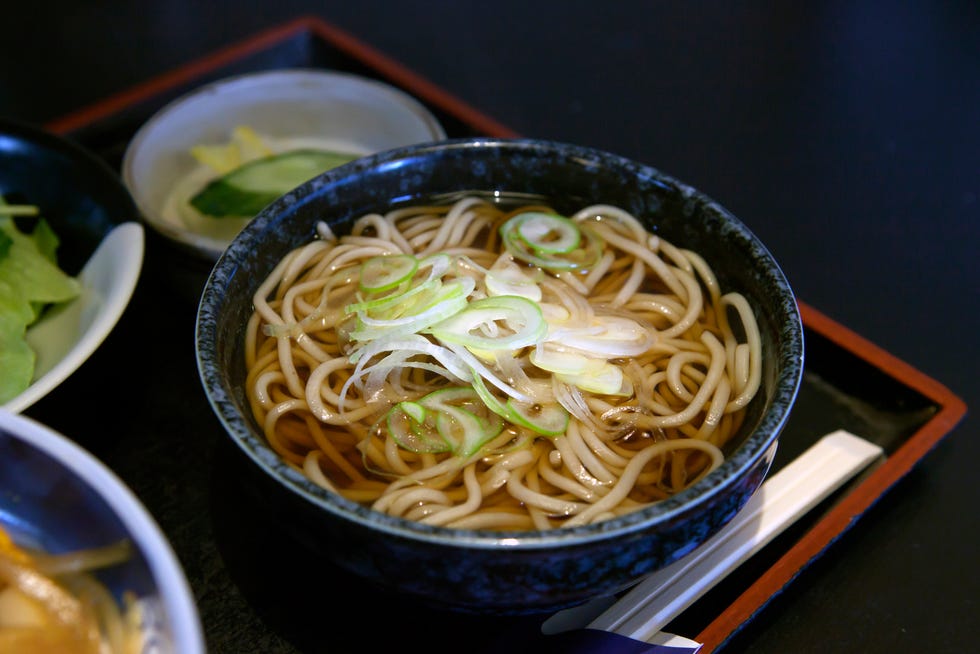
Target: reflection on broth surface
point(487, 364)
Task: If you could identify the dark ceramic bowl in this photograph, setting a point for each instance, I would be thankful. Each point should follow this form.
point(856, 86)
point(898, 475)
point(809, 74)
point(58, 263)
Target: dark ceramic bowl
point(514, 572)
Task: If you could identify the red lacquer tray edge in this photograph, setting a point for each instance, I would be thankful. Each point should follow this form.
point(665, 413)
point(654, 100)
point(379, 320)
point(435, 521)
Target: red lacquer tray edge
point(421, 87)
point(952, 409)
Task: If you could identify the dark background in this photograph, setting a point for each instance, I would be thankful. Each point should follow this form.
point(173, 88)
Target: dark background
point(845, 134)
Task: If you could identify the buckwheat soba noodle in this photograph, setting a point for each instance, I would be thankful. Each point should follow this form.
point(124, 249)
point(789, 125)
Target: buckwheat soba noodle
point(481, 366)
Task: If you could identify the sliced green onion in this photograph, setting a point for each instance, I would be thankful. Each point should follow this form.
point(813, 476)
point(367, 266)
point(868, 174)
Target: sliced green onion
point(488, 398)
point(413, 410)
point(464, 429)
point(603, 336)
point(414, 343)
point(437, 264)
point(411, 433)
point(546, 248)
point(511, 280)
point(505, 322)
point(417, 314)
point(490, 356)
point(386, 272)
point(479, 425)
point(463, 354)
point(563, 361)
point(448, 420)
point(545, 419)
point(546, 233)
point(600, 377)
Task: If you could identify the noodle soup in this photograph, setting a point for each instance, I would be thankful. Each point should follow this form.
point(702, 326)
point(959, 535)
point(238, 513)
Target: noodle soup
point(415, 412)
point(488, 364)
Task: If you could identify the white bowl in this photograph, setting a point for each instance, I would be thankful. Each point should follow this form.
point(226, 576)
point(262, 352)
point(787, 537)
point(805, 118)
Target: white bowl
point(58, 497)
point(64, 338)
point(101, 245)
point(343, 111)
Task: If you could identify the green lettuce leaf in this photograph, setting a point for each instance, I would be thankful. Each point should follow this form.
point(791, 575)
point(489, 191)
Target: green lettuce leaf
point(30, 280)
point(16, 357)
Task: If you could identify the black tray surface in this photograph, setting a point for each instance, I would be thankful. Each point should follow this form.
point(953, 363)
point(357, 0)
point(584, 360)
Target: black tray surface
point(160, 435)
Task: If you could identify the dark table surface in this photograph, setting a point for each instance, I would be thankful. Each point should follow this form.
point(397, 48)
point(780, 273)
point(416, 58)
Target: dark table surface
point(845, 134)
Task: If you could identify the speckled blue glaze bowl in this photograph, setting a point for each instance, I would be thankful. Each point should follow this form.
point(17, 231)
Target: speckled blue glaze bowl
point(514, 572)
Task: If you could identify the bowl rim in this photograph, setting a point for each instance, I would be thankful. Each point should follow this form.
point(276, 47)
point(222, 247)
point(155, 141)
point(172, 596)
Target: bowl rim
point(758, 445)
point(212, 247)
point(176, 596)
point(110, 276)
point(123, 244)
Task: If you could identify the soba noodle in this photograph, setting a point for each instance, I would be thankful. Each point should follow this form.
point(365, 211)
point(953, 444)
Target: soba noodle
point(479, 366)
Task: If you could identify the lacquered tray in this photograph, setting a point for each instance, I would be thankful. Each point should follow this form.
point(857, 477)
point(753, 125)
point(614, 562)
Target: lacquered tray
point(258, 590)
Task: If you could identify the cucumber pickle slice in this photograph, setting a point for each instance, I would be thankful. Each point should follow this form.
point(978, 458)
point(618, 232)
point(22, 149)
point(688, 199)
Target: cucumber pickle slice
point(251, 187)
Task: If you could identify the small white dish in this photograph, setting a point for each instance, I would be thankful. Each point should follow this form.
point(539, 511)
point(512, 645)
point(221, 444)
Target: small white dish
point(58, 497)
point(342, 111)
point(66, 335)
point(100, 242)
